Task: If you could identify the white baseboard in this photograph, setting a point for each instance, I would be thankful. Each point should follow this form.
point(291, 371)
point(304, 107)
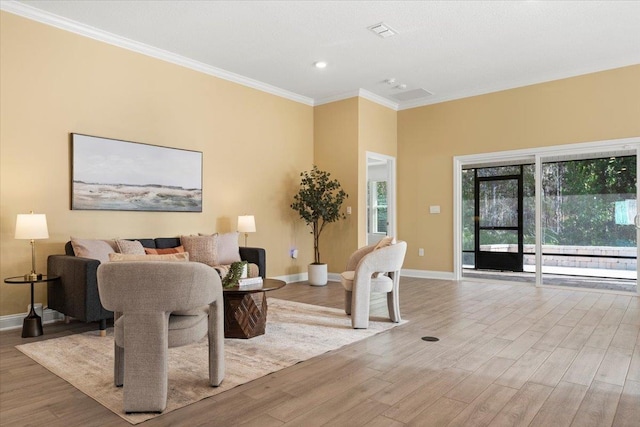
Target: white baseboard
point(14, 321)
point(421, 274)
point(292, 278)
point(427, 274)
point(303, 277)
point(333, 277)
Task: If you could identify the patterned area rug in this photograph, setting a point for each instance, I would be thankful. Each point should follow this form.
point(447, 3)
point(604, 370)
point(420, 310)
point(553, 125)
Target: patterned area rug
point(295, 332)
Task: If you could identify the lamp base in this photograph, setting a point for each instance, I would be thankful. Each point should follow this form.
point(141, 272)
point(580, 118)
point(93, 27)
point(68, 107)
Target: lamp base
point(33, 276)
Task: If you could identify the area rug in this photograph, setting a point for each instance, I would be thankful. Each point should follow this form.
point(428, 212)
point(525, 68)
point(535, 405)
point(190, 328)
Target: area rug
point(294, 332)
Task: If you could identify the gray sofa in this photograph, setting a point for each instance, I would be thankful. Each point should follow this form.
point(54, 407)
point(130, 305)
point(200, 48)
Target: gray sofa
point(76, 293)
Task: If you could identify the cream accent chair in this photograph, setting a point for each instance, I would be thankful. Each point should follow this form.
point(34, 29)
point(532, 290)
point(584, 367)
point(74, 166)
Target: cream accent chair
point(359, 283)
point(157, 305)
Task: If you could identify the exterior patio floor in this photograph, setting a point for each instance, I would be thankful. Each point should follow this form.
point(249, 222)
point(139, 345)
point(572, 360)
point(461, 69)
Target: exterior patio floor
point(614, 280)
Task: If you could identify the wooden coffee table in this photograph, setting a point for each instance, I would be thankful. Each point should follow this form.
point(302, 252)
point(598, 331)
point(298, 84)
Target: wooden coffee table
point(245, 310)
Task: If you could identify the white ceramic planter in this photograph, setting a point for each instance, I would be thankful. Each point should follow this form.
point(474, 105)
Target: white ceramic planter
point(318, 274)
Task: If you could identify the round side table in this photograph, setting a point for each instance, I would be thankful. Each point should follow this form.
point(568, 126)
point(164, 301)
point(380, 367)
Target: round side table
point(32, 324)
point(245, 310)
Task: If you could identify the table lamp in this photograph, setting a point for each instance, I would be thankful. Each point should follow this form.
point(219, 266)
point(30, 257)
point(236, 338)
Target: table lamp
point(32, 226)
point(246, 225)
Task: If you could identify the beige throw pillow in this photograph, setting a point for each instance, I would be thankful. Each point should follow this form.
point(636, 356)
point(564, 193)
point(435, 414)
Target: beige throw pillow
point(385, 241)
point(227, 249)
point(94, 249)
point(180, 257)
point(200, 248)
point(132, 247)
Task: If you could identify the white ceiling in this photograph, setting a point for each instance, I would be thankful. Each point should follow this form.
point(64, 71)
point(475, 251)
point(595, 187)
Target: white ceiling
point(452, 49)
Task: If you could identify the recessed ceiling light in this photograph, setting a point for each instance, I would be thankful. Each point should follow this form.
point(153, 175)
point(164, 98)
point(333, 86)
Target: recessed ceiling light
point(320, 64)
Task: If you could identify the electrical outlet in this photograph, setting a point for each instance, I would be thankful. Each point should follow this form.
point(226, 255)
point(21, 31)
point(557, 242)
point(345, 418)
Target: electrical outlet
point(421, 252)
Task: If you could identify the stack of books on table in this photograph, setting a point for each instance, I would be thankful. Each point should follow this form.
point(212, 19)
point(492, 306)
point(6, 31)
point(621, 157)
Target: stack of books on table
point(250, 283)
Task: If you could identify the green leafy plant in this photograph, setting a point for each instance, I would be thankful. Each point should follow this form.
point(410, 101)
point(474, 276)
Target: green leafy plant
point(318, 203)
point(233, 276)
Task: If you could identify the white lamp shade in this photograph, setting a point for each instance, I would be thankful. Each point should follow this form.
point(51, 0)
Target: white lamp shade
point(246, 224)
point(31, 226)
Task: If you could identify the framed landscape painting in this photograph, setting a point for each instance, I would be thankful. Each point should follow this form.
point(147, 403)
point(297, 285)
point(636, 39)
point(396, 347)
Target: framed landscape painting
point(109, 174)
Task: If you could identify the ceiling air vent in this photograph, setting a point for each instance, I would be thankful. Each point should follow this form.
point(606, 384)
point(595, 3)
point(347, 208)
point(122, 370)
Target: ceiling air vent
point(412, 94)
point(382, 30)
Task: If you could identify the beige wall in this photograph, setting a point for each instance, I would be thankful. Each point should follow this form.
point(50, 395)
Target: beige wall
point(378, 133)
point(592, 107)
point(344, 131)
point(53, 82)
point(336, 151)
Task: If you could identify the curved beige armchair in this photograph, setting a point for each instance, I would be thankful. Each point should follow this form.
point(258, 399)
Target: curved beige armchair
point(158, 305)
point(358, 282)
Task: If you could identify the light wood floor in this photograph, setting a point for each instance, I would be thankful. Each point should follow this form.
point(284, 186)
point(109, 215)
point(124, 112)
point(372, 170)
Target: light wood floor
point(507, 355)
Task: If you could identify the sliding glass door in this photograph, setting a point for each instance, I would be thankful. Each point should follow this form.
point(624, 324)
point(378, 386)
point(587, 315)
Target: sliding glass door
point(588, 206)
point(557, 216)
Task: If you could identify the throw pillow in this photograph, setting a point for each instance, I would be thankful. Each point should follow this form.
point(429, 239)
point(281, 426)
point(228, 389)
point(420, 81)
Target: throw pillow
point(162, 251)
point(181, 257)
point(227, 249)
point(132, 247)
point(200, 248)
point(385, 241)
point(94, 249)
point(253, 270)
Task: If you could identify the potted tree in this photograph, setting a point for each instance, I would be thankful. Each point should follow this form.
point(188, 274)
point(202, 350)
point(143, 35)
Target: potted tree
point(318, 203)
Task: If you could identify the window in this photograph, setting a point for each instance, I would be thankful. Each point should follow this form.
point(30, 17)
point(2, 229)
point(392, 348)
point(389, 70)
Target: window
point(377, 213)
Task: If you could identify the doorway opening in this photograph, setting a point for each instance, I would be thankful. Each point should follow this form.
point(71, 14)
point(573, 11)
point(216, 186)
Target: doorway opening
point(498, 220)
point(380, 196)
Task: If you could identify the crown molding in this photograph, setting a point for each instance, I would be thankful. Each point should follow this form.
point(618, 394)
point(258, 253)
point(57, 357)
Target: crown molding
point(514, 84)
point(334, 98)
point(47, 18)
point(29, 12)
point(363, 93)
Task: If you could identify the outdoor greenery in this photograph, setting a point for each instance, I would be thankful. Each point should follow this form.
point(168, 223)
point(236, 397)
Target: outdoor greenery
point(318, 203)
point(580, 200)
point(378, 212)
point(579, 203)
